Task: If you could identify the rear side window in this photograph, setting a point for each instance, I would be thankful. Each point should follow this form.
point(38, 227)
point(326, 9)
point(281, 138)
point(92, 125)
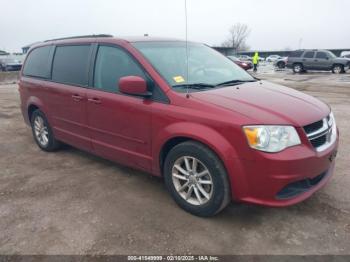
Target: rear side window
point(38, 62)
point(296, 54)
point(321, 55)
point(112, 63)
point(70, 65)
point(309, 54)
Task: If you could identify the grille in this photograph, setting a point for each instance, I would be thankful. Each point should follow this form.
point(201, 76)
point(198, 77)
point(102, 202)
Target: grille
point(319, 133)
point(313, 127)
point(319, 141)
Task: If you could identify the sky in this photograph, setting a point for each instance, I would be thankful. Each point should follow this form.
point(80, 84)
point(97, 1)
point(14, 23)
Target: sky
point(274, 24)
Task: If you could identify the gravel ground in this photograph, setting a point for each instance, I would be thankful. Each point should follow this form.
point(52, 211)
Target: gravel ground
point(71, 202)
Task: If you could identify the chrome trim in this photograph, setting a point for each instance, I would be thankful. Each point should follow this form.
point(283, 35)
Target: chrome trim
point(328, 129)
point(324, 127)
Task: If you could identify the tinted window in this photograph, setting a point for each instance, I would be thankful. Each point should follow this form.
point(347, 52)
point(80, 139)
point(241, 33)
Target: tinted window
point(111, 64)
point(70, 64)
point(296, 54)
point(309, 55)
point(37, 63)
point(321, 55)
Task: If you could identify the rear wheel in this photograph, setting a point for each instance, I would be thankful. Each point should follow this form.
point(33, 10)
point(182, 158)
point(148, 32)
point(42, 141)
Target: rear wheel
point(338, 69)
point(298, 68)
point(42, 132)
point(196, 179)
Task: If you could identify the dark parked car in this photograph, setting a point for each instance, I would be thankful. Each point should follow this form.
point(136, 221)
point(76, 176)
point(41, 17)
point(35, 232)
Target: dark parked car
point(302, 60)
point(10, 64)
point(246, 65)
point(214, 132)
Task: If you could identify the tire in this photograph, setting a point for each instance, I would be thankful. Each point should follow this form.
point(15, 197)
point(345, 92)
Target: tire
point(281, 65)
point(40, 128)
point(298, 68)
point(338, 69)
point(217, 194)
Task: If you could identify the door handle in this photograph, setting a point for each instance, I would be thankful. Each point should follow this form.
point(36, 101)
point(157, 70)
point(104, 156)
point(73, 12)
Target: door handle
point(304, 59)
point(94, 100)
point(77, 97)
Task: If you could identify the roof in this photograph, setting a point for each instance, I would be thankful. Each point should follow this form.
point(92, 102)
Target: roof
point(133, 39)
point(130, 39)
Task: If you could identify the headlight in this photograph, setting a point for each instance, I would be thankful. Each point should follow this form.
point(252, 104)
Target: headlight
point(331, 122)
point(271, 138)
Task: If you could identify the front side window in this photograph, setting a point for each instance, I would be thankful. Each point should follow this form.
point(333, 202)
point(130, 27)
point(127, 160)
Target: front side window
point(309, 55)
point(71, 64)
point(205, 65)
point(321, 55)
point(37, 63)
point(112, 63)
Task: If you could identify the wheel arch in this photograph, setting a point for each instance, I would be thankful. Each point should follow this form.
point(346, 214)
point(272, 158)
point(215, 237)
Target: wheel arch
point(34, 103)
point(181, 132)
point(30, 109)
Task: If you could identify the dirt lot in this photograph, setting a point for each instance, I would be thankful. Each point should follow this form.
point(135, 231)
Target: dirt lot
point(71, 202)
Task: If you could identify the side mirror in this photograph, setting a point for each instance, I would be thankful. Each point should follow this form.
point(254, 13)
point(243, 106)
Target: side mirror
point(134, 85)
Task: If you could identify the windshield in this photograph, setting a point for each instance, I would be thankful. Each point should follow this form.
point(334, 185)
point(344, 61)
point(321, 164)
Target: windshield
point(205, 65)
point(331, 55)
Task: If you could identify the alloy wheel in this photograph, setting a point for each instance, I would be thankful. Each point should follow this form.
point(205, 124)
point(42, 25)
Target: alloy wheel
point(297, 68)
point(192, 180)
point(41, 131)
point(337, 69)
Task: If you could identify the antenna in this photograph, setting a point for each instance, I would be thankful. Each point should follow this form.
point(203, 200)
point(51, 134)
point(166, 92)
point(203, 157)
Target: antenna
point(187, 69)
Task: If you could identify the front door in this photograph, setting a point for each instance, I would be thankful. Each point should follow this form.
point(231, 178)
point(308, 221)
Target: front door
point(323, 61)
point(120, 125)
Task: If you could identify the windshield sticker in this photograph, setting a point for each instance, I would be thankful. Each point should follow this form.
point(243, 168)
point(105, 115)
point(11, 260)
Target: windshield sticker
point(178, 79)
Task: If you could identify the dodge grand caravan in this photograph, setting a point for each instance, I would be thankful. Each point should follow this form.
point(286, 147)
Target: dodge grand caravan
point(214, 132)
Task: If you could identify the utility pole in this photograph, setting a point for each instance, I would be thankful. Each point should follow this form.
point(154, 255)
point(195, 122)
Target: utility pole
point(300, 42)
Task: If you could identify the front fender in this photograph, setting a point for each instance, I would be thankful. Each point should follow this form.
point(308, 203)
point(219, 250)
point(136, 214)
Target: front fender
point(201, 133)
point(207, 136)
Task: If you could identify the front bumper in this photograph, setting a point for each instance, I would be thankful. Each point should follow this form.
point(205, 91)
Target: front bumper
point(284, 178)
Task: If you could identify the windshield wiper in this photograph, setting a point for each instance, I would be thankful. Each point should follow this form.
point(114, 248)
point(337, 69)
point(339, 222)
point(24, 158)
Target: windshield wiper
point(235, 82)
point(195, 85)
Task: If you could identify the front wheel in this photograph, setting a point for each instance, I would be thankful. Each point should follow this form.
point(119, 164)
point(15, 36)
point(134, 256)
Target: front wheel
point(338, 69)
point(196, 179)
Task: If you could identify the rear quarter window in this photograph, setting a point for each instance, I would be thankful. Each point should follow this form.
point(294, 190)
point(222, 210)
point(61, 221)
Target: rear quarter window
point(309, 54)
point(70, 64)
point(296, 54)
point(38, 62)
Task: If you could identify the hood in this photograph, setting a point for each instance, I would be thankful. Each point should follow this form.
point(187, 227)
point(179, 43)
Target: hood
point(13, 64)
point(342, 60)
point(267, 103)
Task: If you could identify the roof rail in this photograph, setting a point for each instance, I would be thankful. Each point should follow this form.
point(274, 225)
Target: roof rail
point(81, 36)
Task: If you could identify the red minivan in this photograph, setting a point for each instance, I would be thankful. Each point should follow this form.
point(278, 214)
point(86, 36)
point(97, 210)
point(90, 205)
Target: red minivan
point(181, 111)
